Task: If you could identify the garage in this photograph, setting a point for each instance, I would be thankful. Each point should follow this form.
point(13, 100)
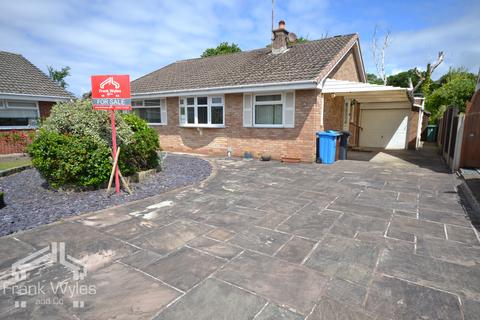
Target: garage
point(384, 125)
point(388, 117)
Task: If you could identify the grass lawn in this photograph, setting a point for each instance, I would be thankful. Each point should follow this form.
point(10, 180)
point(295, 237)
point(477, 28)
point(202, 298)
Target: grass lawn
point(8, 163)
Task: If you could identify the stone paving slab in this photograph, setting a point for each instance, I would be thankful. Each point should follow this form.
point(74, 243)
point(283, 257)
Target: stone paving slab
point(283, 283)
point(184, 268)
point(344, 258)
point(432, 272)
point(214, 299)
point(274, 312)
point(171, 237)
point(260, 240)
point(397, 299)
point(296, 250)
point(352, 240)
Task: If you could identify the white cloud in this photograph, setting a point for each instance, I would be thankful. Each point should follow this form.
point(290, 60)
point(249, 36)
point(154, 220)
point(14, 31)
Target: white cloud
point(137, 37)
point(458, 39)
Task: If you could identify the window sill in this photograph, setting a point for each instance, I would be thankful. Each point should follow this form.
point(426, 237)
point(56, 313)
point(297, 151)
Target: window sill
point(208, 126)
point(267, 126)
point(18, 128)
point(156, 124)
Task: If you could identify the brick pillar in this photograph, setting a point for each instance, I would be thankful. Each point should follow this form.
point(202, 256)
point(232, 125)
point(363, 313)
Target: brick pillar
point(412, 130)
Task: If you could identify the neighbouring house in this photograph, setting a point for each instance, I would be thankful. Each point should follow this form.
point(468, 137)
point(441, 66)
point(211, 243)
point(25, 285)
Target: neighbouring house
point(26, 97)
point(273, 100)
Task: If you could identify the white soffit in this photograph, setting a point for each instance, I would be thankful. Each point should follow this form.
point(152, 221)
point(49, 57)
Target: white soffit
point(364, 92)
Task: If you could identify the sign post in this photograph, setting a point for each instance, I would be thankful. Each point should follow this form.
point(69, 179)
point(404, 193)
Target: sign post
point(112, 92)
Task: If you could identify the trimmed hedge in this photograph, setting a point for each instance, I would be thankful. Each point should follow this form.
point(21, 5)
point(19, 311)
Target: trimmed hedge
point(73, 146)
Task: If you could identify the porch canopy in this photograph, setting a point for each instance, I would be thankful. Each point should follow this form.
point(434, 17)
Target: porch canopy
point(365, 92)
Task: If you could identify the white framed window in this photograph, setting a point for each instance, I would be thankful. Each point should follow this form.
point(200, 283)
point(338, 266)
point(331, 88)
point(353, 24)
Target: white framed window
point(17, 114)
point(154, 111)
point(202, 111)
point(268, 110)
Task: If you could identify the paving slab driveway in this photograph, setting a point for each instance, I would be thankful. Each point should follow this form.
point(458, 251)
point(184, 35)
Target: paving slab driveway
point(265, 240)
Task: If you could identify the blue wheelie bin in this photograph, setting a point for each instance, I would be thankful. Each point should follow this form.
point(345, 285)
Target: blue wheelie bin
point(327, 146)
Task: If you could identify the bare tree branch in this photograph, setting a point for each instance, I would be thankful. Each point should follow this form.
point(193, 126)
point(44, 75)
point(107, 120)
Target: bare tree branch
point(428, 73)
point(379, 54)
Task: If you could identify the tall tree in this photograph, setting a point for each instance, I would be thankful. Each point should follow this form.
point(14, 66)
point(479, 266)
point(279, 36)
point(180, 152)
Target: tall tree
point(426, 77)
point(458, 88)
point(373, 79)
point(379, 53)
point(58, 76)
point(402, 79)
point(222, 48)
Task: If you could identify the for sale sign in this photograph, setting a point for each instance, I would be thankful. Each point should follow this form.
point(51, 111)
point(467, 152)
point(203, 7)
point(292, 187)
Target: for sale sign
point(111, 92)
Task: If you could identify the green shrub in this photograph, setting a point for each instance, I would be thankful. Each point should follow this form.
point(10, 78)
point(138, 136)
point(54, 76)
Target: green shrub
point(79, 118)
point(73, 146)
point(141, 153)
point(70, 160)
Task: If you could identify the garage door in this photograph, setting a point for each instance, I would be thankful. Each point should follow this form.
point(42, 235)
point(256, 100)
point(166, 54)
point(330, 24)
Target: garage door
point(384, 128)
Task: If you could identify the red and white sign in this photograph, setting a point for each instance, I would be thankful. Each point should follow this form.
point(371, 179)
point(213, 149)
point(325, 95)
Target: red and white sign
point(111, 92)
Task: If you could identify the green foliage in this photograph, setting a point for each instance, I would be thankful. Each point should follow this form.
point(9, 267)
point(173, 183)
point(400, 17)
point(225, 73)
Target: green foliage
point(302, 39)
point(373, 79)
point(70, 160)
point(222, 48)
point(58, 76)
point(141, 153)
point(79, 118)
point(73, 147)
point(457, 89)
point(401, 79)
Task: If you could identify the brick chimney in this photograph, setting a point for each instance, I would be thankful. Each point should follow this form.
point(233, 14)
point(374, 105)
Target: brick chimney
point(279, 38)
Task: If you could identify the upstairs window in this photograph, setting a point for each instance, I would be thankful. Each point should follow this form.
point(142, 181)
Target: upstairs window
point(202, 111)
point(153, 111)
point(19, 114)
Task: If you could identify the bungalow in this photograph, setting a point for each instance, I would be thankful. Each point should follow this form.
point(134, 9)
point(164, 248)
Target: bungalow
point(273, 100)
point(26, 96)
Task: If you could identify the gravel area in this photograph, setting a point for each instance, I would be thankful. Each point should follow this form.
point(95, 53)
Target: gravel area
point(30, 203)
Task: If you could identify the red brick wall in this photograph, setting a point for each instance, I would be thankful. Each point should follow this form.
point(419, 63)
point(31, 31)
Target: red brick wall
point(14, 141)
point(295, 142)
point(333, 112)
point(412, 130)
point(45, 107)
point(347, 69)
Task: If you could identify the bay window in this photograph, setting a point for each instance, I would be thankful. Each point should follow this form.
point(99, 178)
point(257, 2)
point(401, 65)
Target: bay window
point(19, 114)
point(202, 111)
point(153, 110)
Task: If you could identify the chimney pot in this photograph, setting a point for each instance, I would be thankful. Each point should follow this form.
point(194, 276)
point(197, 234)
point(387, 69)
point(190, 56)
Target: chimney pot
point(280, 38)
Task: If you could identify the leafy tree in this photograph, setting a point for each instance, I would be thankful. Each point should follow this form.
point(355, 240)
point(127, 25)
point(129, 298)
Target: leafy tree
point(302, 39)
point(373, 79)
point(58, 76)
point(401, 79)
point(457, 89)
point(222, 48)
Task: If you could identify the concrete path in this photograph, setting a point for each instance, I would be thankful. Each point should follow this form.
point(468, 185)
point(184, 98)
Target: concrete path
point(262, 240)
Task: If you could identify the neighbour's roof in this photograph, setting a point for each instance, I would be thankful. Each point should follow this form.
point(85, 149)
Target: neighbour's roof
point(20, 76)
point(301, 62)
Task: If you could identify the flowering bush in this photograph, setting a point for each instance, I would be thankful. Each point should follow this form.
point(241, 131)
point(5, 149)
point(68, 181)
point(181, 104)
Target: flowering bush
point(73, 146)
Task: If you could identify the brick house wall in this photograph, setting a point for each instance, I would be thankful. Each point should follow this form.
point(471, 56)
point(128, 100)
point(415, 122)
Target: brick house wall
point(347, 69)
point(333, 112)
point(412, 130)
point(278, 142)
point(8, 145)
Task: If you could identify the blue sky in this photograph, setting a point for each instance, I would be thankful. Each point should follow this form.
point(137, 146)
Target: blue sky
point(137, 37)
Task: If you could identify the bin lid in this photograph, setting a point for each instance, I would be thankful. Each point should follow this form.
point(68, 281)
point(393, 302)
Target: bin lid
point(329, 133)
